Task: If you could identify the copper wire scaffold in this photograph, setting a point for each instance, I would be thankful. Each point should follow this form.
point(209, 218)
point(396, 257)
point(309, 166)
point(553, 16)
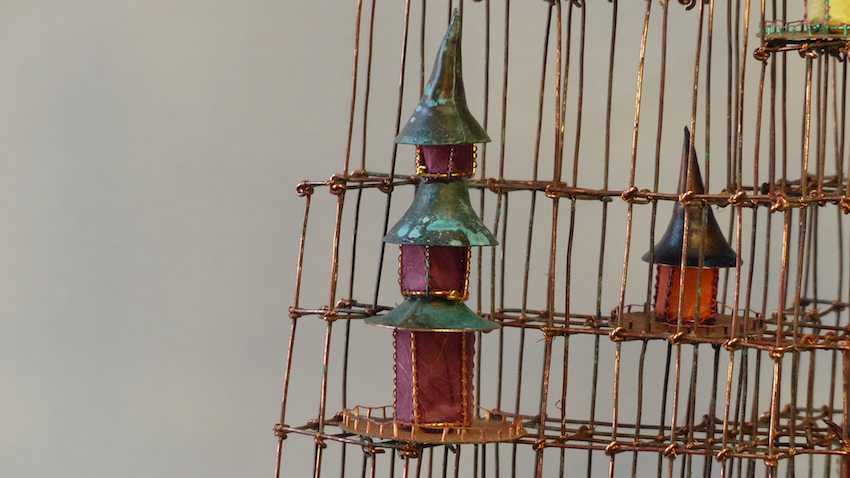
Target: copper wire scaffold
point(585, 101)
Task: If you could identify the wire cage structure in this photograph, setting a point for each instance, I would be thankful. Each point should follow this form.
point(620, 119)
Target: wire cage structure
point(607, 295)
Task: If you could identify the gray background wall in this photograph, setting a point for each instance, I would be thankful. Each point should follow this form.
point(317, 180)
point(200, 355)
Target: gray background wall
point(148, 156)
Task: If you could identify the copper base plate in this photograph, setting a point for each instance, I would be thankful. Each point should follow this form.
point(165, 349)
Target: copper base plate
point(722, 326)
point(489, 429)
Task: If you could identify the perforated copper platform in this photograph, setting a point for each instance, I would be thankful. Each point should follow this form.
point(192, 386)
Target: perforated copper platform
point(378, 423)
point(746, 325)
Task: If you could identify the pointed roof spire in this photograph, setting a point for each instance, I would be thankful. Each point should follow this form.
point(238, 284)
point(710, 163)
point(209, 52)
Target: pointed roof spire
point(442, 115)
point(716, 251)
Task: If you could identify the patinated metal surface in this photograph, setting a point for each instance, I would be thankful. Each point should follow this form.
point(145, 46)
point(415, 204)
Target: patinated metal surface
point(441, 215)
point(433, 315)
point(442, 115)
point(703, 236)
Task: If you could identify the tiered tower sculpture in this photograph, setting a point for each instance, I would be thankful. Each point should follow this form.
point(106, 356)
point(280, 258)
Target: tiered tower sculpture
point(433, 330)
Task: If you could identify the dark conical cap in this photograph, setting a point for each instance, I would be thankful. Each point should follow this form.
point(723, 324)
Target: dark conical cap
point(442, 115)
point(668, 251)
point(441, 215)
point(433, 314)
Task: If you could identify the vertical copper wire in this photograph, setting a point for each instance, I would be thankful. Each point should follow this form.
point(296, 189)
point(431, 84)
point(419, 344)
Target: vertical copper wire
point(373, 465)
point(804, 191)
point(741, 398)
point(531, 223)
point(616, 398)
point(774, 412)
point(695, 86)
point(633, 165)
point(485, 91)
point(603, 230)
point(630, 211)
point(406, 470)
point(675, 412)
point(562, 61)
point(772, 153)
point(810, 404)
point(823, 106)
point(401, 76)
point(483, 162)
point(639, 398)
point(418, 466)
point(572, 222)
point(709, 56)
point(755, 408)
point(777, 84)
point(504, 117)
point(299, 275)
point(535, 166)
point(727, 405)
point(712, 410)
point(756, 178)
point(784, 110)
point(690, 412)
point(745, 53)
point(479, 358)
point(690, 173)
point(553, 244)
point(445, 460)
point(662, 90)
point(320, 429)
point(319, 447)
point(503, 241)
point(354, 76)
point(367, 91)
point(501, 168)
point(357, 207)
point(290, 349)
point(731, 50)
point(563, 401)
point(841, 123)
point(284, 399)
point(457, 461)
point(481, 207)
point(845, 395)
point(582, 7)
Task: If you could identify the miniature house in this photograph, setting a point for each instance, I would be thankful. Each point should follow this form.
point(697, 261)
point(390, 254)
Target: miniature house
point(692, 228)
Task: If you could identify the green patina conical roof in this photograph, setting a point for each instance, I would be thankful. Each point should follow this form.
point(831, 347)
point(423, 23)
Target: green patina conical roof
point(432, 314)
point(441, 215)
point(442, 115)
point(668, 250)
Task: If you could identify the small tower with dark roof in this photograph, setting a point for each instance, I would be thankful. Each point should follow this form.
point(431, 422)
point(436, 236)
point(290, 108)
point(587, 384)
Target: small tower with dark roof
point(706, 251)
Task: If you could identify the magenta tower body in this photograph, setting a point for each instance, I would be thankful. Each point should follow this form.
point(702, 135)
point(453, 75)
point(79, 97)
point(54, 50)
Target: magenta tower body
point(434, 372)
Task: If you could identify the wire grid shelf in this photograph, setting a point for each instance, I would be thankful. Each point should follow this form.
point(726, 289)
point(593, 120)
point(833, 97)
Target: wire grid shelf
point(766, 394)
